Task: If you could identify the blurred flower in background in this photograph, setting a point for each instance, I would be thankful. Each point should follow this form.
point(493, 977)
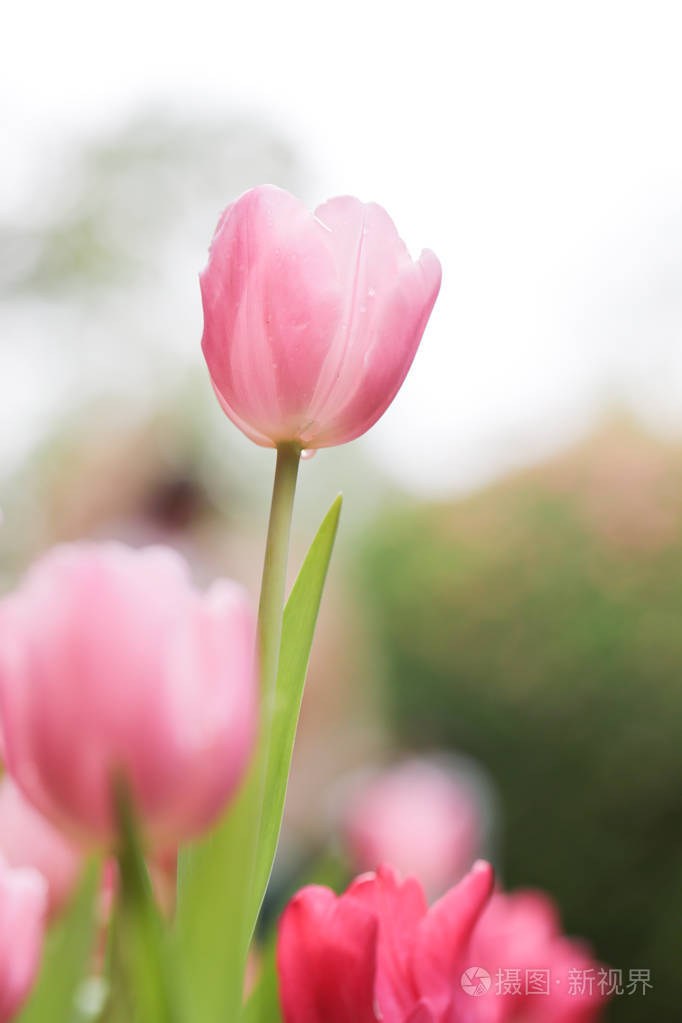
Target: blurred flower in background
point(540, 976)
point(28, 840)
point(156, 680)
point(23, 907)
point(428, 817)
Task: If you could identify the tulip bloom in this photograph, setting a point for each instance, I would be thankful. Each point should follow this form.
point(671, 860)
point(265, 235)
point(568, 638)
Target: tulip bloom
point(27, 839)
point(311, 320)
point(113, 665)
point(23, 904)
point(420, 817)
point(519, 935)
point(377, 952)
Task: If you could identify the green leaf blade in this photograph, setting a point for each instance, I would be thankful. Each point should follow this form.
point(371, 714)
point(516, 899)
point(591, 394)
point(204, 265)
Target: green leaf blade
point(298, 628)
point(140, 953)
point(222, 878)
point(66, 959)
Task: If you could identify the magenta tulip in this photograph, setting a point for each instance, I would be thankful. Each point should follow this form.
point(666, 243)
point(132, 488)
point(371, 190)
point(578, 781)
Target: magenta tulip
point(27, 839)
point(113, 665)
point(23, 905)
point(377, 952)
point(311, 320)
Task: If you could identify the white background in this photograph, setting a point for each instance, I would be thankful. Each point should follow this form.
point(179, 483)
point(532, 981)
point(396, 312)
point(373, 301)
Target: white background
point(535, 146)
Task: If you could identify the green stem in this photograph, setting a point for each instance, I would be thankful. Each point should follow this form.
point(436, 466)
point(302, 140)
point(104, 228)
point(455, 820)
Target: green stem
point(273, 585)
point(270, 615)
point(138, 951)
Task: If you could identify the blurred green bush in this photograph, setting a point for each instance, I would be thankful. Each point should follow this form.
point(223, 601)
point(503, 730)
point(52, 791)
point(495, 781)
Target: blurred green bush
point(538, 627)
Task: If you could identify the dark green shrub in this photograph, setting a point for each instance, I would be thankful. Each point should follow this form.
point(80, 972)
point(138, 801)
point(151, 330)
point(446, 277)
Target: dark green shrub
point(538, 627)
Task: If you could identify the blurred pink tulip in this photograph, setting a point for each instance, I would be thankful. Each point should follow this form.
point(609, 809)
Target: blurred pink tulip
point(27, 839)
point(420, 817)
point(377, 952)
point(311, 320)
point(111, 663)
point(519, 936)
point(23, 905)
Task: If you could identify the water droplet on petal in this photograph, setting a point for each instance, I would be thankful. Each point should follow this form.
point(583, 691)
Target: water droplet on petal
point(308, 453)
point(371, 293)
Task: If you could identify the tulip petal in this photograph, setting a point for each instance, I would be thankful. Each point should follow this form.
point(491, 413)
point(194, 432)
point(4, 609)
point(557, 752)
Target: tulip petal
point(111, 662)
point(444, 934)
point(311, 321)
point(400, 906)
point(422, 1013)
point(23, 905)
point(28, 840)
point(399, 322)
point(272, 303)
point(326, 959)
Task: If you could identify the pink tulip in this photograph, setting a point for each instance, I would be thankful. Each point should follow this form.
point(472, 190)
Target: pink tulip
point(311, 320)
point(419, 816)
point(520, 934)
point(377, 952)
point(112, 664)
point(27, 839)
point(23, 904)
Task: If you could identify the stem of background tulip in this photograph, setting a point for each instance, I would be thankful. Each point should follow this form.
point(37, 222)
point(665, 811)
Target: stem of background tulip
point(273, 585)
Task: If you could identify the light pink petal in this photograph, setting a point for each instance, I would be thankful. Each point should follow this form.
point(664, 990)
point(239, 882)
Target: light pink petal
point(94, 621)
point(27, 839)
point(272, 303)
point(211, 678)
point(311, 321)
point(372, 384)
point(114, 664)
point(388, 300)
point(370, 257)
point(421, 818)
point(326, 959)
point(23, 905)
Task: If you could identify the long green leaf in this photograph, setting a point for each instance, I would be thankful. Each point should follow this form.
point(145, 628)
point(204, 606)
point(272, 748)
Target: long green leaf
point(263, 1002)
point(140, 952)
point(222, 879)
point(66, 959)
point(298, 628)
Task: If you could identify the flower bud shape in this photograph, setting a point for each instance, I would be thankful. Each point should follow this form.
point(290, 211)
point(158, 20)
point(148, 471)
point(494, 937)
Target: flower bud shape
point(27, 839)
point(421, 818)
point(540, 976)
point(113, 668)
point(23, 905)
point(311, 320)
point(377, 952)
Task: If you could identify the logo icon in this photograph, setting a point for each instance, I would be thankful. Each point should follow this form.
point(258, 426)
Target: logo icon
point(475, 981)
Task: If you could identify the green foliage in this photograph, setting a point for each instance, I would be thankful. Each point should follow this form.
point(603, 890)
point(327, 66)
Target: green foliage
point(300, 618)
point(221, 879)
point(141, 980)
point(66, 958)
point(262, 1005)
point(537, 628)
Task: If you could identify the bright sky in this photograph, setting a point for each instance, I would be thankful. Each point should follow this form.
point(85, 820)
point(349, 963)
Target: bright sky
point(535, 146)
